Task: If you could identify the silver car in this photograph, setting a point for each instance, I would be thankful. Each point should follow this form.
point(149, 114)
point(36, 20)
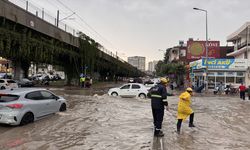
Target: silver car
point(21, 106)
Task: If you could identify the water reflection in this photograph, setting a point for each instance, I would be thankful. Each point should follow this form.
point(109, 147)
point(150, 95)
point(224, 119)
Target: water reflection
point(103, 122)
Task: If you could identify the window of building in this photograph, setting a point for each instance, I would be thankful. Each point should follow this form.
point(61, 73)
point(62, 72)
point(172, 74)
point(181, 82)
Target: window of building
point(240, 79)
point(240, 74)
point(230, 79)
point(211, 74)
point(220, 73)
point(230, 74)
point(211, 82)
point(220, 79)
point(211, 79)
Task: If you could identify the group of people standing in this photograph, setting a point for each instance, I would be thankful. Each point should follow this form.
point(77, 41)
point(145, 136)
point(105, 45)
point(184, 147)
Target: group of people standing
point(85, 82)
point(158, 95)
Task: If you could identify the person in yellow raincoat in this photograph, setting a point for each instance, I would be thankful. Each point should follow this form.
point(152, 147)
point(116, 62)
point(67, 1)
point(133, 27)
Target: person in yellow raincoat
point(184, 109)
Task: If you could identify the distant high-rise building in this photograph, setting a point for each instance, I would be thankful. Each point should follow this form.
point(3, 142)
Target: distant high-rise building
point(138, 62)
point(151, 65)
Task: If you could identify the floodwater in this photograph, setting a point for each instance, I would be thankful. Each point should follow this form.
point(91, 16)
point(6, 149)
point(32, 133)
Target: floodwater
point(100, 122)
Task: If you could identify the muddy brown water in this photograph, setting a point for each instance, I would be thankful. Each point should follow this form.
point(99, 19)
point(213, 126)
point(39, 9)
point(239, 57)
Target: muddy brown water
point(100, 122)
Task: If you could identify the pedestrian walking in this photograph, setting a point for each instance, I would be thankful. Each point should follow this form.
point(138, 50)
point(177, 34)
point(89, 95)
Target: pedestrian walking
point(158, 95)
point(221, 88)
point(248, 92)
point(184, 109)
point(242, 89)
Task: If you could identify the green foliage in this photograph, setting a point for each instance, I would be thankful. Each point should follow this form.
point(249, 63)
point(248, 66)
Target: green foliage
point(163, 69)
point(21, 44)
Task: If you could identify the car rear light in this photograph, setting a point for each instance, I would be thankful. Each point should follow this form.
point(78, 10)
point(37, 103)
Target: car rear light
point(15, 106)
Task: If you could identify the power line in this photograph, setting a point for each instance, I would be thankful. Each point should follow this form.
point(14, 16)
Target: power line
point(89, 28)
point(85, 22)
point(53, 4)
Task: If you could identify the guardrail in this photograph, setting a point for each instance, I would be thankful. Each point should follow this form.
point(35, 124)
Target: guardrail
point(46, 16)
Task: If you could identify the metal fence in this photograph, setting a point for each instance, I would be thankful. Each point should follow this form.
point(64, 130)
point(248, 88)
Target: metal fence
point(46, 16)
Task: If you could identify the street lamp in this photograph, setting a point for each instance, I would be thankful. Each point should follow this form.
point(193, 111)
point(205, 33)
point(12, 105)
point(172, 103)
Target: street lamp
point(206, 71)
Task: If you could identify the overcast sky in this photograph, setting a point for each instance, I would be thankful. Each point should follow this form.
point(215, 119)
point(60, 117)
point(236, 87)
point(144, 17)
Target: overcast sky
point(142, 27)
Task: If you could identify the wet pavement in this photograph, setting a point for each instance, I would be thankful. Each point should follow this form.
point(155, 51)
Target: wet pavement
point(98, 122)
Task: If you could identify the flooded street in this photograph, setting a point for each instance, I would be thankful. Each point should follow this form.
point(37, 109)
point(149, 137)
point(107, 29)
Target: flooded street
point(101, 122)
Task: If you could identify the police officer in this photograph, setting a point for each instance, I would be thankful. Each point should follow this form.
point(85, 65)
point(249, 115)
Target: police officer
point(158, 95)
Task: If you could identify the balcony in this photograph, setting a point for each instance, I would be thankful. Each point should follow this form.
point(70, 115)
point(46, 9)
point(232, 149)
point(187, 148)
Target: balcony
point(239, 46)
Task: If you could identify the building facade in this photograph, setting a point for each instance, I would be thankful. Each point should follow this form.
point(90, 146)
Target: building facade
point(195, 50)
point(227, 71)
point(191, 51)
point(151, 65)
point(138, 62)
point(241, 40)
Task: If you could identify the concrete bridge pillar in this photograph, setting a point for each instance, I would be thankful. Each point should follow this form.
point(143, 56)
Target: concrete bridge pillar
point(18, 71)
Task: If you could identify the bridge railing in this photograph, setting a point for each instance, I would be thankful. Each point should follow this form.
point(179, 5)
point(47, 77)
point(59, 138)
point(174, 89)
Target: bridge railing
point(46, 16)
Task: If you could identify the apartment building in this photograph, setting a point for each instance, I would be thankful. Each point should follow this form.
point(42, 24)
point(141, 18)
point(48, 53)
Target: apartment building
point(241, 40)
point(138, 62)
point(151, 65)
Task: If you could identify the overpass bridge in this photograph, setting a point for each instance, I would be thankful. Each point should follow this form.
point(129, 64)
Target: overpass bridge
point(26, 38)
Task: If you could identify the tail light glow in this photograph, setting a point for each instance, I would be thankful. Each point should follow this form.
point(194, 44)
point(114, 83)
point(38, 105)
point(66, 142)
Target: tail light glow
point(15, 106)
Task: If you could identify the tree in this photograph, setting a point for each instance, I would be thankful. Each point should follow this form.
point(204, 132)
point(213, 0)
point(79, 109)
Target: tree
point(177, 70)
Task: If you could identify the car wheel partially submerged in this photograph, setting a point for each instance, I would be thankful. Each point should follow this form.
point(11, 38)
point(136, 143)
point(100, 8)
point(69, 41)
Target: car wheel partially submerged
point(63, 107)
point(114, 94)
point(27, 118)
point(142, 96)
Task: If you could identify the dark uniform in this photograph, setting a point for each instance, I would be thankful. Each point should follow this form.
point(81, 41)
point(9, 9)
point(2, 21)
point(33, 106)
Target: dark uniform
point(158, 95)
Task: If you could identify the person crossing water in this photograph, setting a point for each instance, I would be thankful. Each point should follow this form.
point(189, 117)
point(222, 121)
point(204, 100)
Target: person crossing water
point(184, 109)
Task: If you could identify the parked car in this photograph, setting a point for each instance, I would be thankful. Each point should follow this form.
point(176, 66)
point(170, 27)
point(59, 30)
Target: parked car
point(24, 105)
point(7, 84)
point(129, 90)
point(25, 83)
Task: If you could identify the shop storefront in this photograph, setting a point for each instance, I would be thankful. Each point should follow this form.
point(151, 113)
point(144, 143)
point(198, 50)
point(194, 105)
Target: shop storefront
point(5, 68)
point(227, 71)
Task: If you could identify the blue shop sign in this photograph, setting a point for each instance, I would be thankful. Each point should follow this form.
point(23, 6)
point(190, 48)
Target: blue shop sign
point(218, 63)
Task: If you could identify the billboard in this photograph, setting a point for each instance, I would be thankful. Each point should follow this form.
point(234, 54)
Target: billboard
point(220, 64)
point(197, 49)
point(234, 64)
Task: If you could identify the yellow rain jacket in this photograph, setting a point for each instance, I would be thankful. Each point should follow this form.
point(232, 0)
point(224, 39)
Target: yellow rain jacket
point(184, 109)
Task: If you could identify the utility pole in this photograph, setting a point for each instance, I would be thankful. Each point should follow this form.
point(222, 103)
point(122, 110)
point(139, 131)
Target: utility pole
point(206, 70)
point(57, 18)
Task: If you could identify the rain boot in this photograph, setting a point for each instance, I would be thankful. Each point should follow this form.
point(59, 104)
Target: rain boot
point(158, 133)
point(179, 126)
point(191, 120)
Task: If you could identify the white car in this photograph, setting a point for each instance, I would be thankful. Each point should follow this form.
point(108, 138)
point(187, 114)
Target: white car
point(151, 83)
point(129, 90)
point(7, 84)
point(21, 106)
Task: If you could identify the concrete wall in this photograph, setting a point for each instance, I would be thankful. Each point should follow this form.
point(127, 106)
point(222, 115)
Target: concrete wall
point(20, 16)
